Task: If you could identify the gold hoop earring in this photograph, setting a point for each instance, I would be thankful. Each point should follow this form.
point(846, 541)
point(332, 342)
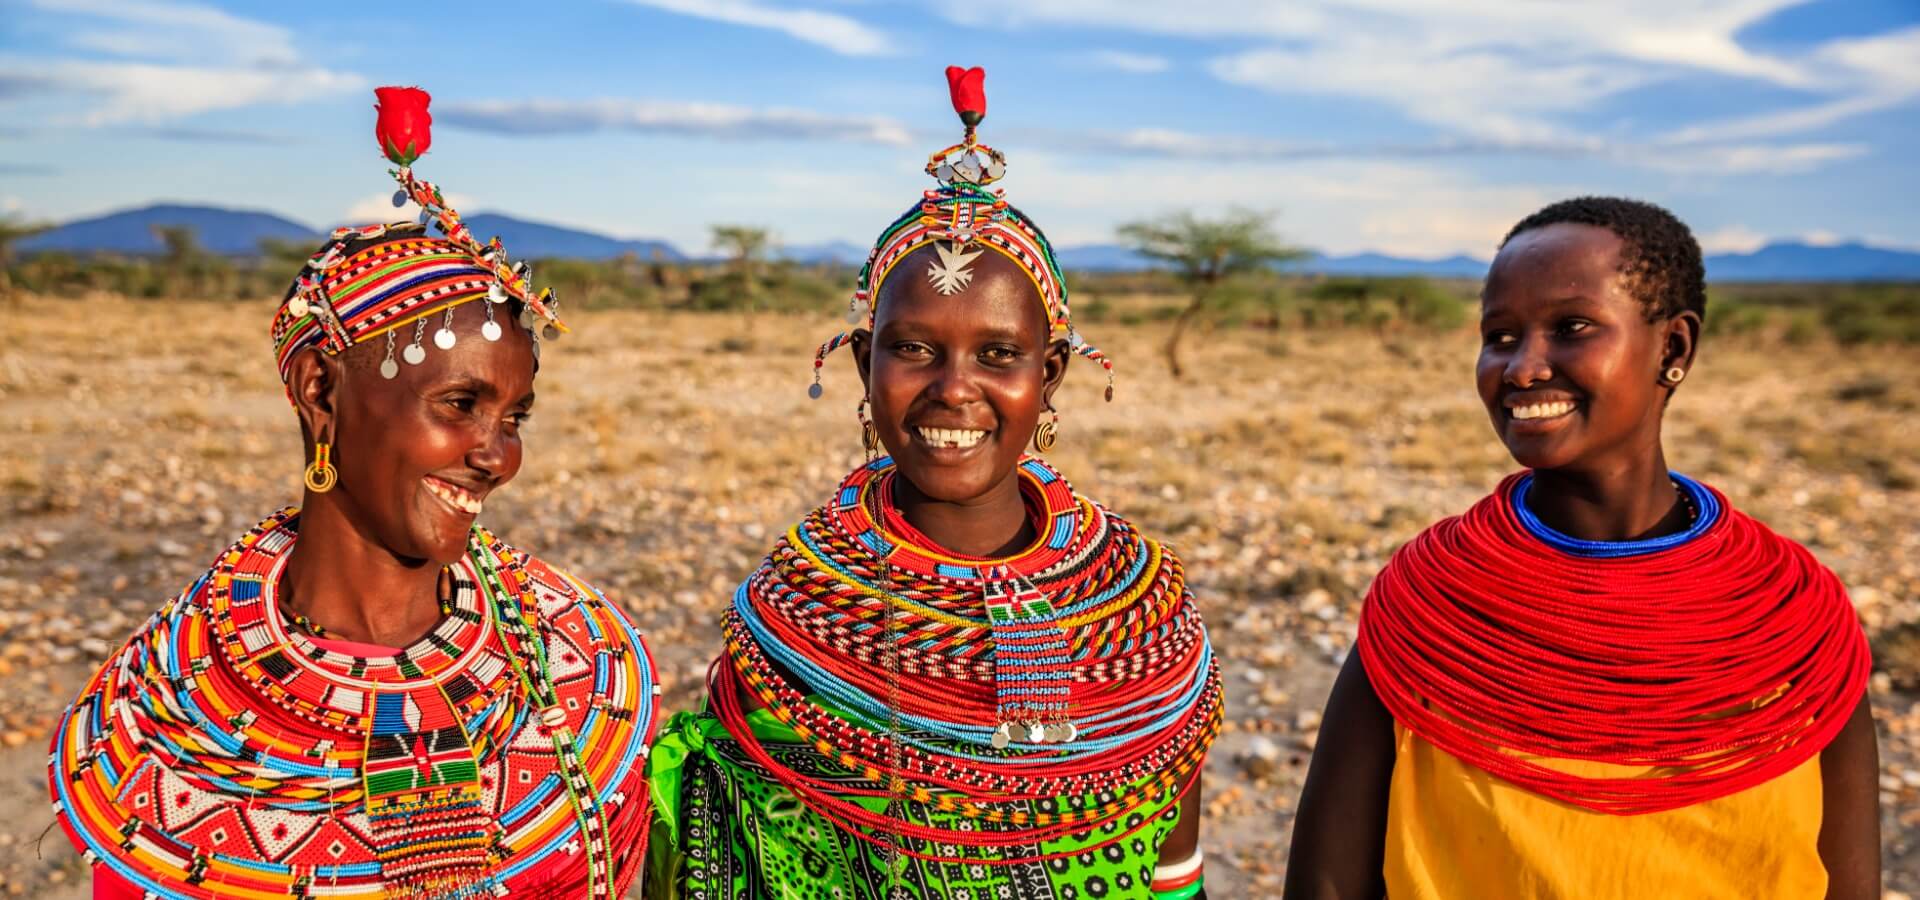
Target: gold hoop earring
point(1675, 374)
point(869, 436)
point(1047, 434)
point(321, 475)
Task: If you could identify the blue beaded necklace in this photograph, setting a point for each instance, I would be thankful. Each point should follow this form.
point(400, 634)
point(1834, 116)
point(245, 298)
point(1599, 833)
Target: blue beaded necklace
point(1706, 511)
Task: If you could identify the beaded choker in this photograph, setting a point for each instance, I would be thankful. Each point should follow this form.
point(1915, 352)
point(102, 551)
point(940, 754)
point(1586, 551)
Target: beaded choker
point(1703, 509)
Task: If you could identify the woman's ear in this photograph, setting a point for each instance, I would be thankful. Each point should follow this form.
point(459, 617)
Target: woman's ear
point(1059, 353)
point(1682, 340)
point(314, 383)
point(861, 343)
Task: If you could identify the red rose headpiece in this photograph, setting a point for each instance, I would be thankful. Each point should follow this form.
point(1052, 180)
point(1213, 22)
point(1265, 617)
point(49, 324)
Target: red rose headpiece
point(342, 299)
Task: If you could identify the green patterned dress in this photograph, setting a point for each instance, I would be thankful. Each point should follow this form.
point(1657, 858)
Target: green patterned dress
point(727, 832)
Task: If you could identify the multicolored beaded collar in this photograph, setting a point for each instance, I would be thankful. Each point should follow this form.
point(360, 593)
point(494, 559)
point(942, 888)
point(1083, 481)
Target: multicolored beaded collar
point(223, 754)
point(1089, 673)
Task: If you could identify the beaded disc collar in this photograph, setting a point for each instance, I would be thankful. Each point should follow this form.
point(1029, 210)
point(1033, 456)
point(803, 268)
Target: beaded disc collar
point(1077, 666)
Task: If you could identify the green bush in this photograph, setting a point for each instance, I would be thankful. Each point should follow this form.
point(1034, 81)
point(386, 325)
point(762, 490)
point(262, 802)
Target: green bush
point(1380, 302)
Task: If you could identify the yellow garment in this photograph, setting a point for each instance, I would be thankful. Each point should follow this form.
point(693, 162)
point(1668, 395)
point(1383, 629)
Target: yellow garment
point(1455, 832)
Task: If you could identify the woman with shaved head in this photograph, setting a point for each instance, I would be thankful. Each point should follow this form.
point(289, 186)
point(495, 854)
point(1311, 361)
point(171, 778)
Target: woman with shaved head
point(957, 678)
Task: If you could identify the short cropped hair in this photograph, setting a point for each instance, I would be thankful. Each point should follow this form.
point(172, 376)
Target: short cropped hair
point(1659, 259)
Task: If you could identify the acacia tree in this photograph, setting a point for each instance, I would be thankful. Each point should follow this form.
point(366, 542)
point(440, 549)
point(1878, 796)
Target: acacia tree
point(745, 244)
point(1204, 252)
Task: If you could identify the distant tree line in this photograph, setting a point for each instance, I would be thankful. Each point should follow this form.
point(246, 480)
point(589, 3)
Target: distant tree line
point(1222, 272)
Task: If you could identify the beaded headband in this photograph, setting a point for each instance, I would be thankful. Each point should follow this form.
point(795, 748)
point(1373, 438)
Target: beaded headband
point(961, 219)
point(341, 299)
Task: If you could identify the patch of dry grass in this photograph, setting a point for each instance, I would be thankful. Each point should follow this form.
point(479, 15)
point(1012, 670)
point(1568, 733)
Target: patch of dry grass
point(666, 451)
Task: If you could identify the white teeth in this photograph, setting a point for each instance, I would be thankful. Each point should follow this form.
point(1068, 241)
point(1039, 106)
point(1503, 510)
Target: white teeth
point(1543, 410)
point(455, 497)
point(951, 437)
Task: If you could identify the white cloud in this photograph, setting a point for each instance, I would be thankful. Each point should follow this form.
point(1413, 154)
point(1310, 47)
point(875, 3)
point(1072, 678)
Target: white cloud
point(153, 92)
point(379, 208)
point(835, 32)
point(1820, 237)
point(1123, 61)
point(1470, 91)
point(1732, 239)
point(1216, 18)
point(1705, 159)
point(143, 29)
point(169, 61)
point(1336, 205)
point(1519, 73)
point(714, 120)
point(1871, 73)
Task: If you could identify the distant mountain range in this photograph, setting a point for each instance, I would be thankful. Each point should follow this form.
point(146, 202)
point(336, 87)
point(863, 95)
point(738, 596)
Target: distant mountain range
point(1120, 258)
point(239, 233)
point(538, 240)
point(229, 232)
point(1787, 261)
point(234, 232)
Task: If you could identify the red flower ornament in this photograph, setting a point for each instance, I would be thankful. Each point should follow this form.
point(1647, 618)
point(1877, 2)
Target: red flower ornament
point(404, 129)
point(969, 90)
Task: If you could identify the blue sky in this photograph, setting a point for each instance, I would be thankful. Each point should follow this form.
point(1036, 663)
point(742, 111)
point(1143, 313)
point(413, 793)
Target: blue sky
point(1405, 126)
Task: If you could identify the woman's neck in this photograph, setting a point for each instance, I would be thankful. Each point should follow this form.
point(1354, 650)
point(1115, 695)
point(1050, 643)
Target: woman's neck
point(992, 525)
point(1627, 502)
point(342, 579)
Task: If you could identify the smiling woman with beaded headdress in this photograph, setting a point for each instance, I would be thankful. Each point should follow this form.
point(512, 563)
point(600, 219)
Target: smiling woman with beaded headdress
point(372, 696)
point(958, 678)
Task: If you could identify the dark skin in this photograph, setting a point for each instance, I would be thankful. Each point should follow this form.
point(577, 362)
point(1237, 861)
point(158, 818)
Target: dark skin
point(1561, 325)
point(979, 360)
point(368, 565)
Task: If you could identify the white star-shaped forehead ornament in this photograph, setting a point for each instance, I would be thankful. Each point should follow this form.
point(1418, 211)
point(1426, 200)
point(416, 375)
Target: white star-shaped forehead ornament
point(949, 273)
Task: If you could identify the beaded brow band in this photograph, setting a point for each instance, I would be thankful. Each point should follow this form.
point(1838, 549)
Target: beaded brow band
point(960, 219)
point(341, 299)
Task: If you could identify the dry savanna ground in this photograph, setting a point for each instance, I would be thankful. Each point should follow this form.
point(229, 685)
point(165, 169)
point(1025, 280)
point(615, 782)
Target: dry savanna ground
point(141, 437)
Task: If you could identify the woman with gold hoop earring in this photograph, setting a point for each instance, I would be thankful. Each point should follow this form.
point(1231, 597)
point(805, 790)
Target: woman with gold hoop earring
point(372, 696)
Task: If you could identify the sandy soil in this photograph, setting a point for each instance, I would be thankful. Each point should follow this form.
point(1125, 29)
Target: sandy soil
point(140, 438)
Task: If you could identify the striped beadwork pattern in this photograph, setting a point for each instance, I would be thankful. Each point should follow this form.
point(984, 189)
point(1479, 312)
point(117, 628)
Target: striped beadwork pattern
point(221, 754)
point(966, 214)
point(380, 288)
point(852, 595)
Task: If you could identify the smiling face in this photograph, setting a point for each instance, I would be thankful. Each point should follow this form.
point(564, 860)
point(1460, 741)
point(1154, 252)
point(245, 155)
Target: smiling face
point(1570, 367)
point(419, 454)
point(959, 381)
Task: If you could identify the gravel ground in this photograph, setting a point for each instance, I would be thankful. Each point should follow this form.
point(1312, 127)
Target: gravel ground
point(142, 437)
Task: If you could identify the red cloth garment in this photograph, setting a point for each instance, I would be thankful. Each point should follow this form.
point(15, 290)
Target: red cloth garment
point(1726, 660)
